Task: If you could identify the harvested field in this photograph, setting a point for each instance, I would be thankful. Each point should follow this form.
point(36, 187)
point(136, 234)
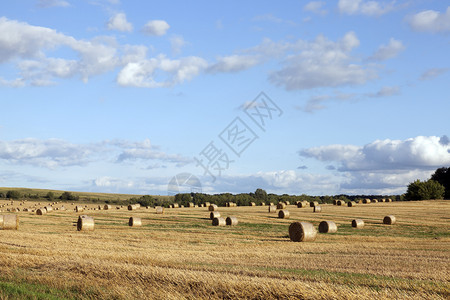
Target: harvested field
point(179, 255)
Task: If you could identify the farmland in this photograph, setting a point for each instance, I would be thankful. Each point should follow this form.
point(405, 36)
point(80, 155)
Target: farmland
point(180, 255)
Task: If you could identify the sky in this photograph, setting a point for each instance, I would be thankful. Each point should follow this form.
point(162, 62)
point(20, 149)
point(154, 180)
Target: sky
point(158, 97)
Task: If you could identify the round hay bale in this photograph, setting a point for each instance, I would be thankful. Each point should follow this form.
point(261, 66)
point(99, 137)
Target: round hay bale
point(1, 221)
point(159, 210)
point(287, 202)
point(213, 207)
point(207, 204)
point(41, 211)
point(231, 221)
point(10, 222)
point(263, 204)
point(317, 208)
point(283, 214)
point(107, 207)
point(214, 214)
point(219, 222)
point(85, 223)
point(366, 201)
point(135, 222)
point(383, 200)
point(79, 208)
point(389, 220)
point(334, 202)
point(358, 223)
point(302, 232)
point(191, 204)
point(175, 205)
point(375, 200)
point(327, 227)
point(281, 205)
point(302, 204)
point(131, 207)
point(340, 203)
point(272, 208)
point(252, 204)
point(48, 208)
point(389, 200)
point(351, 203)
point(313, 203)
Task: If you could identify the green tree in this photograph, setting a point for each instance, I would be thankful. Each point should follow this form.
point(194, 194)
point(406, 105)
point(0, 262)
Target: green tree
point(442, 175)
point(13, 195)
point(50, 196)
point(424, 190)
point(261, 195)
point(68, 196)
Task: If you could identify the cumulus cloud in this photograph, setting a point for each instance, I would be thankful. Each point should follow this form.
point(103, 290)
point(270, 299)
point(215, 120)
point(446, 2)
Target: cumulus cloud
point(323, 63)
point(146, 151)
point(421, 152)
point(30, 43)
point(119, 22)
point(316, 7)
point(50, 153)
point(384, 166)
point(391, 50)
point(54, 153)
point(369, 8)
point(156, 27)
point(433, 73)
point(233, 63)
point(430, 21)
point(144, 73)
point(281, 181)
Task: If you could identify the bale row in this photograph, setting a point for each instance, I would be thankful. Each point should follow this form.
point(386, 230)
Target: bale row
point(220, 221)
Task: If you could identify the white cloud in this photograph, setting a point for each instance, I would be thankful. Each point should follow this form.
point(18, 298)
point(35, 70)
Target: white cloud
point(53, 3)
point(31, 42)
point(388, 51)
point(316, 7)
point(145, 151)
point(385, 91)
point(144, 73)
point(119, 22)
point(421, 152)
point(384, 166)
point(156, 27)
point(54, 153)
point(25, 40)
point(430, 21)
point(433, 73)
point(233, 63)
point(323, 63)
point(50, 153)
point(280, 182)
point(177, 42)
point(18, 82)
point(369, 8)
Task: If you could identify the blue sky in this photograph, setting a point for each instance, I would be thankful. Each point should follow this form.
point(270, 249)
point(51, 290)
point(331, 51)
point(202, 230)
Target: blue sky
point(122, 96)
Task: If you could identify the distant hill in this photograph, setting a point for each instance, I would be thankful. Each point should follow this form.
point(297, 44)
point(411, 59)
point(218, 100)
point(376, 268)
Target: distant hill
point(39, 194)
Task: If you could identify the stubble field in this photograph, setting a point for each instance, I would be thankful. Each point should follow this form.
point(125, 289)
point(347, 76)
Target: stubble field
point(180, 255)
